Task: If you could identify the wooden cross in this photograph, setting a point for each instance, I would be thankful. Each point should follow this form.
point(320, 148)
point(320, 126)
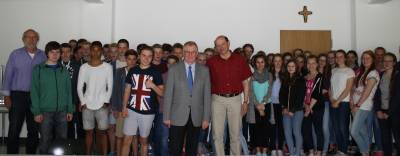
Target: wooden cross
point(305, 13)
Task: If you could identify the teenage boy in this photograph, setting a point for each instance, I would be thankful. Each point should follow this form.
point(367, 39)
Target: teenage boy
point(115, 130)
point(75, 129)
point(51, 98)
point(96, 78)
point(143, 85)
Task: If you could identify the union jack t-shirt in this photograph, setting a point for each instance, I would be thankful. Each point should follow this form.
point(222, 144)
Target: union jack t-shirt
point(142, 99)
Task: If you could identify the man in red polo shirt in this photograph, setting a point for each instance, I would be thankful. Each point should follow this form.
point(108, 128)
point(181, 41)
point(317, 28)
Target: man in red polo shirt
point(229, 78)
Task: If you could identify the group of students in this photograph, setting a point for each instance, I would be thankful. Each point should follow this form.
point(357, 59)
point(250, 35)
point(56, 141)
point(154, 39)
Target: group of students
point(295, 99)
point(310, 100)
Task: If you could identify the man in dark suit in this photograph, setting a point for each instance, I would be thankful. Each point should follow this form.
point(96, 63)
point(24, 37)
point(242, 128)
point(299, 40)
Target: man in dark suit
point(187, 101)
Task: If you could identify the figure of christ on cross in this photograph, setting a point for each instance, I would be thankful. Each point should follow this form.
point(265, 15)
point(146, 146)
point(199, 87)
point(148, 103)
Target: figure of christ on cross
point(305, 13)
point(140, 97)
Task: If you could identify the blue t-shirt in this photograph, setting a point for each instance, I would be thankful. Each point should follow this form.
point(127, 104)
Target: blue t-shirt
point(260, 90)
point(143, 100)
point(52, 66)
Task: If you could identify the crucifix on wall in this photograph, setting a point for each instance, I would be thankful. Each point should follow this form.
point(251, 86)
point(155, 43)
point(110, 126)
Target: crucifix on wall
point(305, 13)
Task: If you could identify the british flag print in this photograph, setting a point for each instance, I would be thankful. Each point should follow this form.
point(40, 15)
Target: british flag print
point(140, 94)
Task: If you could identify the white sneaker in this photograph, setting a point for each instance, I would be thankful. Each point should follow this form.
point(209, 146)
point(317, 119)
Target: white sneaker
point(280, 153)
point(264, 154)
point(274, 153)
point(340, 153)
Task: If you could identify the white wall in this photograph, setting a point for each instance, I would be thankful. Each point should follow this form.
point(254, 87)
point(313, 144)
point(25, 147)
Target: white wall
point(256, 21)
point(48, 17)
point(96, 21)
point(59, 20)
point(378, 25)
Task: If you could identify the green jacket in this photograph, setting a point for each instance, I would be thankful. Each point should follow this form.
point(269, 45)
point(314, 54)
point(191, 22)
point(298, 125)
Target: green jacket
point(51, 90)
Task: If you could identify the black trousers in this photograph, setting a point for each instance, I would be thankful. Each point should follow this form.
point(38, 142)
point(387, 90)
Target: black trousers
point(75, 127)
point(313, 120)
point(177, 136)
point(252, 134)
point(386, 133)
point(19, 112)
point(396, 131)
point(262, 130)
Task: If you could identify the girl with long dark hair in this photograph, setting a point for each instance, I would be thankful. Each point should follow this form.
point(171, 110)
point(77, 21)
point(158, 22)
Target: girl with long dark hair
point(260, 91)
point(291, 96)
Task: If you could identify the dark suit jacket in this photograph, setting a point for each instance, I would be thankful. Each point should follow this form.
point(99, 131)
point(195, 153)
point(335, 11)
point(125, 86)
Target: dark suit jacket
point(118, 90)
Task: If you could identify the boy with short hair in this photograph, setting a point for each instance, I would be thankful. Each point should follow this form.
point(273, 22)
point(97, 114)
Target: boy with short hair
point(143, 85)
point(51, 97)
point(96, 77)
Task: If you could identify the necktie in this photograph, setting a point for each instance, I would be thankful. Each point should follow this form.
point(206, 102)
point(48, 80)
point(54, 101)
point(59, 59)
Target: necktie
point(190, 79)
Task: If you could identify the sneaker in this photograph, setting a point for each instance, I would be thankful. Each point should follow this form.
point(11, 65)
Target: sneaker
point(264, 154)
point(339, 153)
point(149, 150)
point(280, 153)
point(274, 153)
point(378, 153)
point(332, 149)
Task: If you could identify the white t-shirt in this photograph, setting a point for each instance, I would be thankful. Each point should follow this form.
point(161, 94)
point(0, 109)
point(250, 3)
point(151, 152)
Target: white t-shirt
point(31, 54)
point(120, 64)
point(338, 81)
point(368, 103)
point(99, 83)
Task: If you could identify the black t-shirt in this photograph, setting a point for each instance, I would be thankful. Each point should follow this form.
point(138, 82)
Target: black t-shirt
point(162, 67)
point(143, 100)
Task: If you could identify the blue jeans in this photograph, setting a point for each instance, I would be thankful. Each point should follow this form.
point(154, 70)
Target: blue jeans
point(243, 143)
point(359, 130)
point(340, 122)
point(375, 132)
point(52, 122)
point(325, 127)
point(203, 134)
point(292, 127)
point(161, 133)
point(332, 135)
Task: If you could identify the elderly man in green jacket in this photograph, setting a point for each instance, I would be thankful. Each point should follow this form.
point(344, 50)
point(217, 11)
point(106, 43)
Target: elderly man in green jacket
point(51, 97)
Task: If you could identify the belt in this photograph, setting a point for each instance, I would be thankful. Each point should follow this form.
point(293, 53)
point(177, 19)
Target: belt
point(229, 95)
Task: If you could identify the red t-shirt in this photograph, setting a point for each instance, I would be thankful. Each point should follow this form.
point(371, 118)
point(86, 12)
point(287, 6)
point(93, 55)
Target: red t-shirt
point(227, 75)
